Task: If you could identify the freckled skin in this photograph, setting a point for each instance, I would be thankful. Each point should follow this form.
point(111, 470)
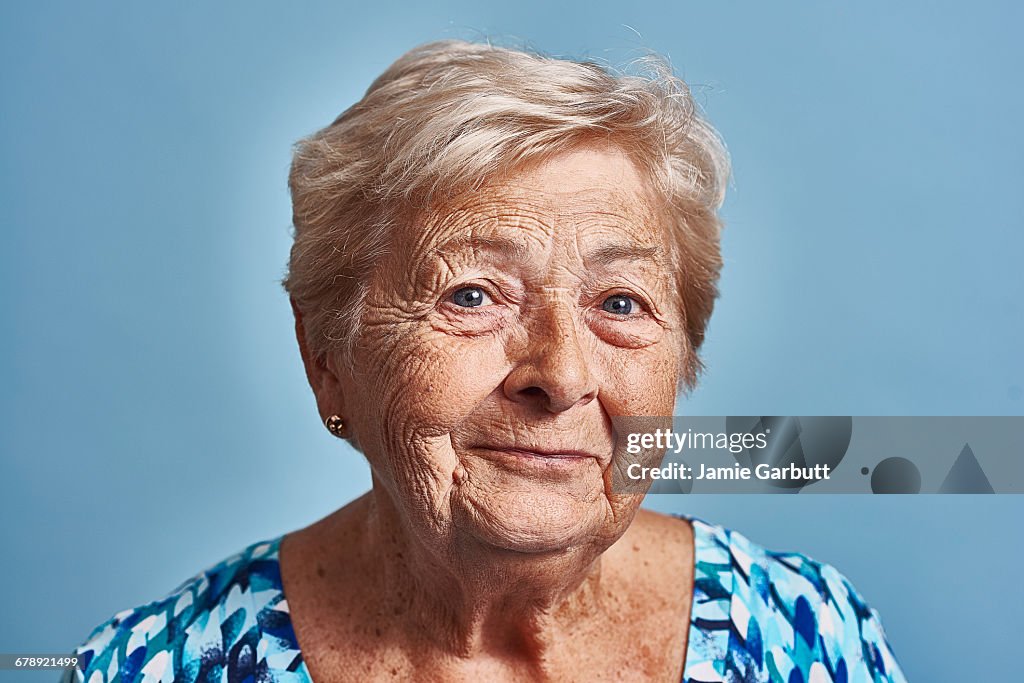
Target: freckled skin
point(472, 559)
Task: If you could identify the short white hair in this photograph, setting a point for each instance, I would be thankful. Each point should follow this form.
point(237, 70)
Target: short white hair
point(450, 115)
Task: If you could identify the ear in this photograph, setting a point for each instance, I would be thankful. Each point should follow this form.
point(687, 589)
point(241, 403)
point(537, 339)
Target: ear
point(323, 379)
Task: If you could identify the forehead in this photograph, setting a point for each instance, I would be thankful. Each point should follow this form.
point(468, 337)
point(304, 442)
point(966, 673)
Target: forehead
point(580, 176)
point(594, 193)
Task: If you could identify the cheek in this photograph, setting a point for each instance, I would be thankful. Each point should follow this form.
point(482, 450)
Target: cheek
point(424, 382)
point(639, 381)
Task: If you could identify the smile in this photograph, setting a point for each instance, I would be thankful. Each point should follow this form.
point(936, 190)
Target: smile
point(550, 458)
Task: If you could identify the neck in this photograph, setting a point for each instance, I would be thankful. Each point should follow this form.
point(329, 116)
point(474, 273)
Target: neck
point(469, 598)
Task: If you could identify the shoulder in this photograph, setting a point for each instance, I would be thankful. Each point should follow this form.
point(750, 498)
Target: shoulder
point(655, 532)
point(777, 613)
point(214, 623)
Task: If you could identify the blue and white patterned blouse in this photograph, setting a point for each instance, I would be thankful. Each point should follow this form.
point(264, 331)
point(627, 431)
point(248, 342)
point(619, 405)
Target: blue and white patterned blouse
point(757, 615)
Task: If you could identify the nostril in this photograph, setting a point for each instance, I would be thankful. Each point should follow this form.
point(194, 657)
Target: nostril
point(533, 391)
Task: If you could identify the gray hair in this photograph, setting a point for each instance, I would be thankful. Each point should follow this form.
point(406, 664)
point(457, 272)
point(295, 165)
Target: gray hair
point(449, 115)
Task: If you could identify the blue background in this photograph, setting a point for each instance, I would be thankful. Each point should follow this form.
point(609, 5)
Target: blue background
point(154, 414)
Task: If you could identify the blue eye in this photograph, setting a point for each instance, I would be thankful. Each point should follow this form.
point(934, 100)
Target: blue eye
point(470, 297)
point(620, 304)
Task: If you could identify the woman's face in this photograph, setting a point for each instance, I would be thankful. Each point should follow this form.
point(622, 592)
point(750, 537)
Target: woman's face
point(500, 336)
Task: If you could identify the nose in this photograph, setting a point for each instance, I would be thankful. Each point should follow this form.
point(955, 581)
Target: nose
point(555, 372)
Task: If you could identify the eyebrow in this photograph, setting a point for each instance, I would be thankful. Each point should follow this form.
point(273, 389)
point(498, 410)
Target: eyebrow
point(612, 253)
point(503, 246)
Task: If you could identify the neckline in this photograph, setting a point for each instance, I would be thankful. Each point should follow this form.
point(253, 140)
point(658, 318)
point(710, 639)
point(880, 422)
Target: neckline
point(707, 644)
point(705, 649)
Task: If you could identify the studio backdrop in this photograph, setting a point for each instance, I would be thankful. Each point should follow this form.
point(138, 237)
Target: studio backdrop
point(155, 416)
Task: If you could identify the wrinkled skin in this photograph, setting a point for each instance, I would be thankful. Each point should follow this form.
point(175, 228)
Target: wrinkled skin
point(500, 336)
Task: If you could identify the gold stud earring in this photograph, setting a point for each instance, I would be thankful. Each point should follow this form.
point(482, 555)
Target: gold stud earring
point(335, 425)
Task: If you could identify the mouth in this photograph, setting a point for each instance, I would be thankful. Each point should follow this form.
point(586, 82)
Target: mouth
point(539, 458)
point(544, 454)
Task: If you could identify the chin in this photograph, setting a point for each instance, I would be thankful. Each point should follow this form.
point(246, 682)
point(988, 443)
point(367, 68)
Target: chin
point(532, 521)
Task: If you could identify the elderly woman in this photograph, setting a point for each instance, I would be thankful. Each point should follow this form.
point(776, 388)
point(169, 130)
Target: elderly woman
point(495, 254)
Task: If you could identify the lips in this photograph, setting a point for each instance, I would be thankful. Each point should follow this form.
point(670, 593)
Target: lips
point(552, 455)
point(544, 458)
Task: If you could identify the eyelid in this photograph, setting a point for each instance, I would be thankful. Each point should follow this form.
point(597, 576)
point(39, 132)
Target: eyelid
point(489, 288)
point(647, 305)
point(637, 297)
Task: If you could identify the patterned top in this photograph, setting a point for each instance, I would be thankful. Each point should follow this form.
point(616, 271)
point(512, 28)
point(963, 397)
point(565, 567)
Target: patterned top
point(757, 616)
